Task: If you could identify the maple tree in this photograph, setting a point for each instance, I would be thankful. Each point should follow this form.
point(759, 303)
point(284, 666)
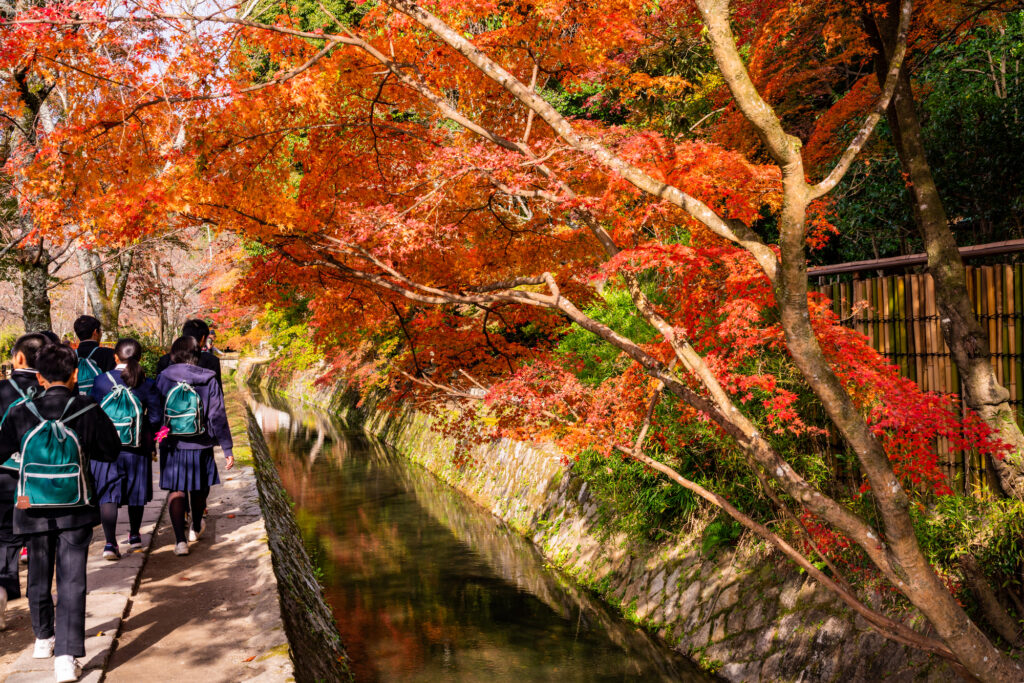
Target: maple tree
point(408, 182)
point(853, 59)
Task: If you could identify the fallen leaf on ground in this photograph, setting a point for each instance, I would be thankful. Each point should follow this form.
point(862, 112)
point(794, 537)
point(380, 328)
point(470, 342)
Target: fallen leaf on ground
point(249, 659)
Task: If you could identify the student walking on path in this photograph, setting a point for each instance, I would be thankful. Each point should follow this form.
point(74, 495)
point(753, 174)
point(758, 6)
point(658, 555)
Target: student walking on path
point(90, 332)
point(134, 404)
point(194, 412)
point(21, 386)
point(200, 331)
point(58, 537)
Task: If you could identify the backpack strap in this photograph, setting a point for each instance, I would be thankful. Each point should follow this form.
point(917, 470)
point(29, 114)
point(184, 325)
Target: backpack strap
point(89, 357)
point(17, 387)
point(64, 417)
point(77, 413)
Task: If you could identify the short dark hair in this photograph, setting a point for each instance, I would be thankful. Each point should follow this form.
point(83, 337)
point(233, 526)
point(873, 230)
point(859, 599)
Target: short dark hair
point(51, 335)
point(195, 328)
point(185, 350)
point(29, 344)
point(85, 326)
point(56, 362)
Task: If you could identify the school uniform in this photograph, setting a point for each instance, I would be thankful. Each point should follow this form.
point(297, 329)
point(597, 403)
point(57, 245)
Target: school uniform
point(129, 479)
point(188, 464)
point(101, 355)
point(10, 542)
point(60, 537)
point(206, 360)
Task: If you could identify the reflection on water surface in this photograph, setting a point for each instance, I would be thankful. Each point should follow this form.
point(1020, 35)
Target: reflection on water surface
point(426, 586)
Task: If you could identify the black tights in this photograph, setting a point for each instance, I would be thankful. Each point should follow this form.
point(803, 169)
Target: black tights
point(108, 518)
point(178, 504)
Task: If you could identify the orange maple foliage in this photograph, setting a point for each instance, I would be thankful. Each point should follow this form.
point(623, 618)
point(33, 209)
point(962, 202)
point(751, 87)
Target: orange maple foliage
point(444, 231)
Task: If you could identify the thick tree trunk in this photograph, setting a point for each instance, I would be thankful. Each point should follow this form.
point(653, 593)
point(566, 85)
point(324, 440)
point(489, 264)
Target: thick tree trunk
point(35, 297)
point(964, 336)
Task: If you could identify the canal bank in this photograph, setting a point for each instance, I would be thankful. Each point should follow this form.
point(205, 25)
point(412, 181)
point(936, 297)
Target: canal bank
point(743, 612)
point(424, 585)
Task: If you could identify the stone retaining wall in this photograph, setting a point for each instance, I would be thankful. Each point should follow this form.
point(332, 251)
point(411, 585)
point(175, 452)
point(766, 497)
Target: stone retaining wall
point(317, 652)
point(746, 614)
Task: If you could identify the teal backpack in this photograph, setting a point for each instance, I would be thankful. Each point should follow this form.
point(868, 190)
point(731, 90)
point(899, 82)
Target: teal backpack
point(88, 371)
point(52, 473)
point(124, 409)
point(13, 462)
point(183, 411)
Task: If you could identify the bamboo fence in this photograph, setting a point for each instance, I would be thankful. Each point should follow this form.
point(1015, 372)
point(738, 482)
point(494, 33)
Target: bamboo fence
point(898, 315)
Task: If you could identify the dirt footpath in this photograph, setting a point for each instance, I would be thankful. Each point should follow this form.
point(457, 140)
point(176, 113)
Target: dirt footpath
point(212, 615)
point(208, 617)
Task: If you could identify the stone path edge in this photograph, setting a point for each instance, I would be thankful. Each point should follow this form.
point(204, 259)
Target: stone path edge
point(136, 584)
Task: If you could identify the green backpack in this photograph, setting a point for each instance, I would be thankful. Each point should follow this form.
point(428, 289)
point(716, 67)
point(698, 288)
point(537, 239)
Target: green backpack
point(14, 462)
point(183, 411)
point(88, 371)
point(124, 409)
point(52, 473)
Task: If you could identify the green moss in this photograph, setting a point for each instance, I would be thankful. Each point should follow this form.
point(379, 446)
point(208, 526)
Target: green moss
point(279, 651)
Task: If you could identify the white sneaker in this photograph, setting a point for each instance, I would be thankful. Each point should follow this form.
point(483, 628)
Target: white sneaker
point(44, 648)
point(181, 548)
point(66, 669)
point(3, 608)
point(194, 535)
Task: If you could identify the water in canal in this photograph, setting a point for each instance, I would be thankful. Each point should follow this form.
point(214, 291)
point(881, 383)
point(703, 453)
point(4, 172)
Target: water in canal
point(426, 586)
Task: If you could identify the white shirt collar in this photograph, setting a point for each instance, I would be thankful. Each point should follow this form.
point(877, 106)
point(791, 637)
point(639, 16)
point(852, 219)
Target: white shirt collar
point(120, 366)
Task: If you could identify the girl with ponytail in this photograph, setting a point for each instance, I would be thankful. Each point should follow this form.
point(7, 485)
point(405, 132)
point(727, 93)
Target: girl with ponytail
point(129, 480)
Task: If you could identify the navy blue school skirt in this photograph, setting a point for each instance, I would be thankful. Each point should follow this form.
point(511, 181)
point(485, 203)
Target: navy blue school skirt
point(126, 481)
point(185, 469)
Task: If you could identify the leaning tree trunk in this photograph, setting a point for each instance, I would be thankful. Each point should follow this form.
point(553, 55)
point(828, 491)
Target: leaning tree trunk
point(105, 303)
point(961, 330)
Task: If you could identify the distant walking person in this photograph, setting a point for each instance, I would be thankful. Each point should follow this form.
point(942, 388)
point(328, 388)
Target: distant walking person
point(200, 331)
point(53, 510)
point(20, 387)
point(195, 416)
point(133, 403)
point(93, 359)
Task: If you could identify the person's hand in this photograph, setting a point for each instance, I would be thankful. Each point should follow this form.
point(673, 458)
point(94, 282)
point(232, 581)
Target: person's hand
point(231, 461)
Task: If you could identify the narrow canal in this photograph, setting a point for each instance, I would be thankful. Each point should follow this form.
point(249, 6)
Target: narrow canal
point(426, 586)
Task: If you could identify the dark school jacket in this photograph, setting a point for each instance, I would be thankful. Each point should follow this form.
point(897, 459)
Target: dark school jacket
point(152, 405)
point(210, 393)
point(26, 379)
point(206, 360)
point(102, 356)
point(99, 441)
